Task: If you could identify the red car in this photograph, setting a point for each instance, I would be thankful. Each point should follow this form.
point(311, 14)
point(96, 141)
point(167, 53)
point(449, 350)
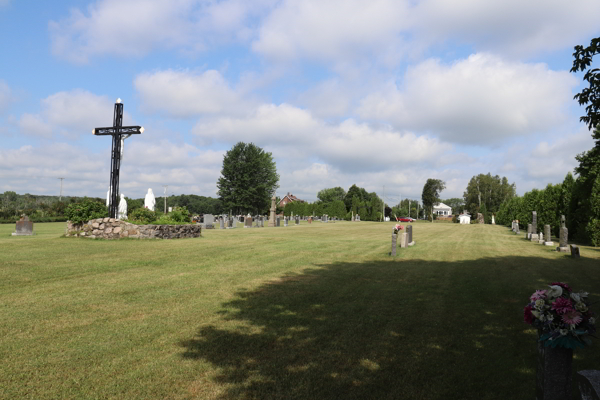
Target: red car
point(405, 219)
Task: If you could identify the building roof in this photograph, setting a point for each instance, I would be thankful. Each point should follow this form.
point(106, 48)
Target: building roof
point(441, 205)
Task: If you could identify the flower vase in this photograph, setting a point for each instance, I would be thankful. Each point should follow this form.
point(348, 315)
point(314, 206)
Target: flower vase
point(554, 373)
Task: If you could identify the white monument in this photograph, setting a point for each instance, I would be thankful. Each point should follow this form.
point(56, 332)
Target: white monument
point(123, 207)
point(108, 197)
point(150, 200)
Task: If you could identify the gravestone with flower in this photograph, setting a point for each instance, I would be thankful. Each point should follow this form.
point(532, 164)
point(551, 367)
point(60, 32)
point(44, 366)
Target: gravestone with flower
point(564, 323)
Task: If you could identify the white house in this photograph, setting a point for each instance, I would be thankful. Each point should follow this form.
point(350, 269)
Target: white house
point(442, 209)
point(464, 218)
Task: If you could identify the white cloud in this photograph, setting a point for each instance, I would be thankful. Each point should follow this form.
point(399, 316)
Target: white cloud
point(33, 125)
point(133, 28)
point(511, 27)
point(185, 94)
point(338, 30)
point(293, 132)
point(72, 113)
point(479, 100)
point(329, 98)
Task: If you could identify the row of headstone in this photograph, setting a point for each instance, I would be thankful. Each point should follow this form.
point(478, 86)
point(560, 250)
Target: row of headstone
point(545, 237)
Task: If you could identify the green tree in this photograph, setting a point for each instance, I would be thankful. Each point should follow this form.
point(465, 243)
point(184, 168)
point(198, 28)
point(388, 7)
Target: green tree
point(489, 190)
point(431, 194)
point(248, 179)
point(456, 204)
point(331, 194)
point(589, 96)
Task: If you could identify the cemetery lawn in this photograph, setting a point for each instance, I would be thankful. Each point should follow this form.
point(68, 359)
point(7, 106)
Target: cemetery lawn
point(311, 312)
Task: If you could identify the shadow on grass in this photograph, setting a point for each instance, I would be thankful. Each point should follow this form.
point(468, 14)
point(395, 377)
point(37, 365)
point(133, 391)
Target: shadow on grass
point(387, 330)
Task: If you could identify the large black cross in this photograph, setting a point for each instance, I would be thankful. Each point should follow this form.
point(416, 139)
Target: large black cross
point(116, 131)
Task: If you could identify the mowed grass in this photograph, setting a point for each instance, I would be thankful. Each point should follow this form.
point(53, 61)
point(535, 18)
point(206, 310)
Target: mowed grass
point(310, 312)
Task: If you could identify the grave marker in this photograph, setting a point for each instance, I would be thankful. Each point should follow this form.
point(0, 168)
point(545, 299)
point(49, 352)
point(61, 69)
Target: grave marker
point(24, 227)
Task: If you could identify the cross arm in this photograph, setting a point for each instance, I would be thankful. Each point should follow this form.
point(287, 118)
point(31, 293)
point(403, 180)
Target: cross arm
point(123, 130)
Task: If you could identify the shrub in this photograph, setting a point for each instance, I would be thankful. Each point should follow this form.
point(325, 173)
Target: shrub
point(85, 210)
point(142, 216)
point(180, 214)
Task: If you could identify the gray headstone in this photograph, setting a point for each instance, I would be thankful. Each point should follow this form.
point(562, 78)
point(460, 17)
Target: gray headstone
point(24, 227)
point(553, 376)
point(297, 220)
point(403, 240)
point(588, 382)
point(222, 223)
point(517, 231)
point(209, 221)
point(548, 236)
point(575, 251)
point(534, 222)
point(285, 221)
point(409, 231)
point(248, 222)
point(562, 221)
point(563, 237)
point(394, 244)
point(262, 222)
point(277, 223)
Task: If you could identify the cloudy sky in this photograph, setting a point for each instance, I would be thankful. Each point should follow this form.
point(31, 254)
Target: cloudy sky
point(376, 93)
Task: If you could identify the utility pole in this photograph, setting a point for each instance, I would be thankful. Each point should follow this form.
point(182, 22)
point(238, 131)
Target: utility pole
point(383, 206)
point(61, 181)
point(166, 187)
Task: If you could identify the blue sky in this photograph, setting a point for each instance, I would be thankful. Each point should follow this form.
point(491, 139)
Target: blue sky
point(376, 93)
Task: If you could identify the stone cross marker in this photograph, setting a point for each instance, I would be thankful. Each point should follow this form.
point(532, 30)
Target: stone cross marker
point(24, 227)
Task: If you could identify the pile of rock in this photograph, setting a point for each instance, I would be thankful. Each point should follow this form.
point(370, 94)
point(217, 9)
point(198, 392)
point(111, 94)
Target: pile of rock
point(111, 228)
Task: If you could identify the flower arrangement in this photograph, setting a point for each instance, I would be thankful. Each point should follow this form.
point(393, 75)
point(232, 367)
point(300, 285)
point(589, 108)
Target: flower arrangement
point(562, 317)
point(398, 228)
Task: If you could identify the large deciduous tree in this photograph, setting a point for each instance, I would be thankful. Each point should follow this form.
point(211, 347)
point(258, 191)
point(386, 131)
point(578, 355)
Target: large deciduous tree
point(489, 190)
point(589, 96)
point(248, 179)
point(332, 194)
point(431, 194)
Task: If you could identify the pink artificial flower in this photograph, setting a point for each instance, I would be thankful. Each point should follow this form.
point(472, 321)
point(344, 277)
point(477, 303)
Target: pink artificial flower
point(562, 305)
point(562, 285)
point(399, 227)
point(572, 317)
point(539, 294)
point(527, 315)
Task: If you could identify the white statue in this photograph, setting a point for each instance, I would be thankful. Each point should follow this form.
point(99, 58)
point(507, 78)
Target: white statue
point(149, 200)
point(123, 144)
point(123, 207)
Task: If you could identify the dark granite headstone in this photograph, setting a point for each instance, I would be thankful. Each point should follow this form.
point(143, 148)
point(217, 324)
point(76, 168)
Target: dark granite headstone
point(553, 377)
point(24, 227)
point(248, 222)
point(277, 221)
point(588, 382)
point(575, 251)
point(297, 220)
point(409, 231)
point(533, 222)
point(285, 221)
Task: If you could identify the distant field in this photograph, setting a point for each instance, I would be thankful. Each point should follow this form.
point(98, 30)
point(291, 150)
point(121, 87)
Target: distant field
point(311, 312)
